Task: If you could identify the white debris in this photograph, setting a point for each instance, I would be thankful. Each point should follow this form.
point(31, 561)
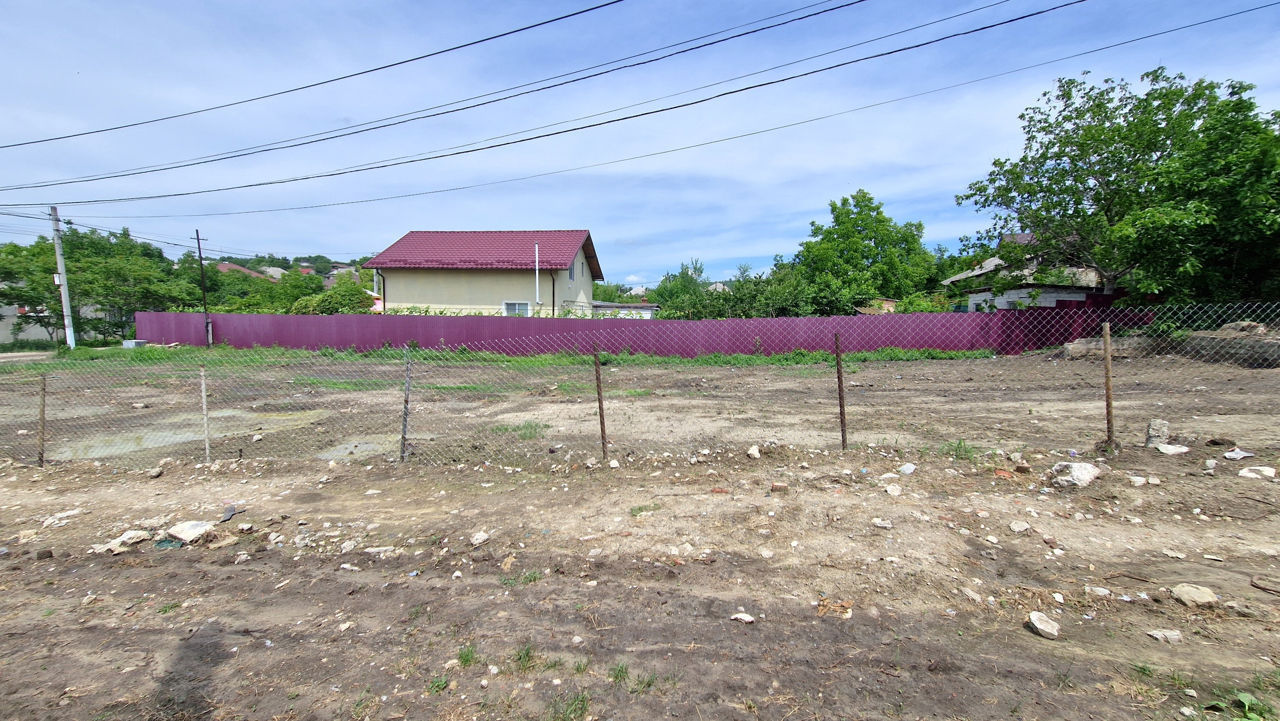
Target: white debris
point(753, 451)
point(58, 520)
point(1043, 625)
point(907, 469)
point(119, 545)
point(190, 531)
point(1235, 454)
point(1167, 635)
point(881, 523)
point(1074, 474)
point(743, 617)
point(893, 489)
point(479, 538)
point(1258, 472)
point(1019, 526)
point(1171, 449)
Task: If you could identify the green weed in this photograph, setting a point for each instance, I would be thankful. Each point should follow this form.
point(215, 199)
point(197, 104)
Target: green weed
point(524, 658)
point(636, 511)
point(959, 450)
point(526, 431)
point(618, 673)
point(573, 708)
point(168, 607)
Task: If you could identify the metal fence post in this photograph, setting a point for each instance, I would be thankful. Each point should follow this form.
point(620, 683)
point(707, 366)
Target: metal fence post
point(44, 387)
point(204, 411)
point(404, 418)
point(604, 438)
point(844, 434)
point(1110, 443)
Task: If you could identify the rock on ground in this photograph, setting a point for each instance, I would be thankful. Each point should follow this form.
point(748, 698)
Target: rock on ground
point(1043, 625)
point(1074, 474)
point(1194, 596)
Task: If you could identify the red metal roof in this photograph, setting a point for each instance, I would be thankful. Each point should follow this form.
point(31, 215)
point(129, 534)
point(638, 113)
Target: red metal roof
point(488, 250)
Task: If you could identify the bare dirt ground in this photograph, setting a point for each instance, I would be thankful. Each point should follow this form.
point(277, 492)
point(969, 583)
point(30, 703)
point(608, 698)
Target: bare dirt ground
point(374, 590)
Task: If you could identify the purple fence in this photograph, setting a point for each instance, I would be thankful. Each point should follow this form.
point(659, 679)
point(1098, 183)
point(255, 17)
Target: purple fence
point(1006, 331)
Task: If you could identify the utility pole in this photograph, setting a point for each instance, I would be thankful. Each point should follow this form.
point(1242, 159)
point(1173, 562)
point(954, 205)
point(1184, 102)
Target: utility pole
point(204, 294)
point(61, 278)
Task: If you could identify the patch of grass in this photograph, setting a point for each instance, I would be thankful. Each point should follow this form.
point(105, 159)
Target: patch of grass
point(526, 431)
point(637, 510)
point(631, 393)
point(618, 673)
point(1143, 670)
point(462, 387)
point(346, 384)
point(467, 656)
point(365, 705)
point(580, 667)
point(552, 664)
point(1244, 706)
point(644, 683)
point(416, 612)
point(168, 607)
point(571, 708)
point(523, 579)
point(48, 612)
point(524, 658)
point(438, 684)
point(959, 450)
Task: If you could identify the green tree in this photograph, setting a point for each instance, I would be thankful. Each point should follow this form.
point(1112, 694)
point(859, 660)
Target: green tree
point(863, 254)
point(110, 277)
point(610, 293)
point(322, 264)
point(682, 294)
point(1172, 190)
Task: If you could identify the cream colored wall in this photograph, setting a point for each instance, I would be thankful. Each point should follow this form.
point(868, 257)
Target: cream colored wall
point(484, 291)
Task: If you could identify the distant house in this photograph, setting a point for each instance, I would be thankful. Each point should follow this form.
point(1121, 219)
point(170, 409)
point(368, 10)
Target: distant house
point(233, 268)
point(602, 309)
point(639, 291)
point(507, 272)
point(273, 272)
point(1069, 286)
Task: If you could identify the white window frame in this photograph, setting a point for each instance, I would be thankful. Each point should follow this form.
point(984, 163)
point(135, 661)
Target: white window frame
point(528, 308)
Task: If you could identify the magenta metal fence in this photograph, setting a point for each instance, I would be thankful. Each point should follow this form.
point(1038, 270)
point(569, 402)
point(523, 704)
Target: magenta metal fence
point(1006, 332)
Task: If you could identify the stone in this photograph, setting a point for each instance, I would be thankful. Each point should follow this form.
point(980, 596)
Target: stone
point(59, 520)
point(1245, 326)
point(44, 554)
point(190, 531)
point(1257, 472)
point(1074, 474)
point(1236, 454)
point(479, 538)
point(121, 544)
point(1099, 591)
point(613, 463)
point(257, 437)
point(893, 489)
point(971, 594)
point(882, 523)
point(1167, 635)
point(1173, 554)
point(155, 472)
point(753, 452)
point(743, 617)
point(907, 469)
point(778, 487)
point(1157, 432)
point(1194, 596)
point(138, 406)
point(1171, 449)
point(1019, 526)
point(1043, 625)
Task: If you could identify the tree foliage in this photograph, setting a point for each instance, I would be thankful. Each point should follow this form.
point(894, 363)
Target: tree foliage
point(110, 277)
point(1174, 190)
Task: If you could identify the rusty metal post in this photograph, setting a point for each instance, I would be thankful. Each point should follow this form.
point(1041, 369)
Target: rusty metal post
point(44, 387)
point(1106, 364)
point(404, 418)
point(844, 434)
point(604, 438)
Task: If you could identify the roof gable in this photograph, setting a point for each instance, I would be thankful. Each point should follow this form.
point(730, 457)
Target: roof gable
point(488, 250)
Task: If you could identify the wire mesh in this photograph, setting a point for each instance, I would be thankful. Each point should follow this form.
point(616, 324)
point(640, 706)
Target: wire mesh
point(1007, 379)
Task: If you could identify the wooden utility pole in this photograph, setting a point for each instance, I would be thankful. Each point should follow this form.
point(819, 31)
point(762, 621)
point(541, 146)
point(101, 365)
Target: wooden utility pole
point(204, 294)
point(61, 278)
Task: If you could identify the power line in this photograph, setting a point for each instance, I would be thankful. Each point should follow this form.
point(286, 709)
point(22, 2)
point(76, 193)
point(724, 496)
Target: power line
point(403, 118)
point(669, 151)
point(686, 91)
point(566, 131)
point(315, 84)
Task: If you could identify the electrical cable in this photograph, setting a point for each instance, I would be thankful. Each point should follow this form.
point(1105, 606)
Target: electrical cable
point(668, 151)
point(575, 129)
point(315, 84)
point(403, 118)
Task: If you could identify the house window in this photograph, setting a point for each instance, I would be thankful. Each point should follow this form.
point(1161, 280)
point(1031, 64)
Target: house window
point(516, 308)
point(571, 271)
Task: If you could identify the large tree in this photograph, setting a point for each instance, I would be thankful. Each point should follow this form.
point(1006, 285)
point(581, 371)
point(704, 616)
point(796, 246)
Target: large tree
point(110, 277)
point(862, 255)
point(1171, 190)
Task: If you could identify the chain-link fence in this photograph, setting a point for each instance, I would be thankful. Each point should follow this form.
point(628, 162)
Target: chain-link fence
point(1011, 379)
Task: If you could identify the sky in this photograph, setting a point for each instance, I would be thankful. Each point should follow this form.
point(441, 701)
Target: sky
point(767, 162)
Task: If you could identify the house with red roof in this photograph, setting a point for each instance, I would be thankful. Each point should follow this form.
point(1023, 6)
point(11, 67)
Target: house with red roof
point(490, 272)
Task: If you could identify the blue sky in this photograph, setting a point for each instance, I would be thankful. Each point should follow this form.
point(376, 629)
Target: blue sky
point(76, 66)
